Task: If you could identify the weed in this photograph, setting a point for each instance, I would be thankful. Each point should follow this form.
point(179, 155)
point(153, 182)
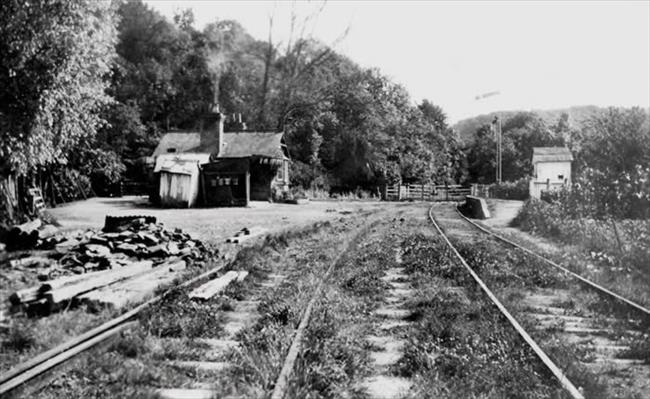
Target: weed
point(19, 338)
point(178, 316)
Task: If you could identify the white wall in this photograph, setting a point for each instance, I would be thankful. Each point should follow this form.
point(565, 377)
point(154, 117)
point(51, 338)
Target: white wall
point(552, 171)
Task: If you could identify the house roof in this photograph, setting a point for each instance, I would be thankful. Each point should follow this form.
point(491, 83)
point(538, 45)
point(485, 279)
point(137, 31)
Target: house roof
point(551, 154)
point(186, 163)
point(236, 144)
point(179, 141)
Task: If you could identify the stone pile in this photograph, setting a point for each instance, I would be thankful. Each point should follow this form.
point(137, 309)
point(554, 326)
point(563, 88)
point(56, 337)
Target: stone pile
point(89, 260)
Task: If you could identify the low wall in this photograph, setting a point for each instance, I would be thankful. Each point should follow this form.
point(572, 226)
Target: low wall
point(476, 207)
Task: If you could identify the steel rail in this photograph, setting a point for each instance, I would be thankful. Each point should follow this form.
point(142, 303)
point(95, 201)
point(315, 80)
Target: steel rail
point(557, 372)
point(282, 382)
point(596, 286)
point(51, 358)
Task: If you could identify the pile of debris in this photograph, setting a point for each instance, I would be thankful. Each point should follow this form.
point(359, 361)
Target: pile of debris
point(124, 262)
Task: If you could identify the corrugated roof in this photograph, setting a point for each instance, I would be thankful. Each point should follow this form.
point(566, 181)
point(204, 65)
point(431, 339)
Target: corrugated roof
point(551, 154)
point(236, 144)
point(186, 163)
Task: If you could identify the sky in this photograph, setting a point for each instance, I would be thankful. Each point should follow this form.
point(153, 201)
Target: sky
point(536, 55)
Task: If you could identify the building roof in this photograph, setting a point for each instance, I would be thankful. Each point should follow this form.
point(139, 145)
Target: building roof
point(179, 141)
point(236, 144)
point(551, 154)
point(185, 164)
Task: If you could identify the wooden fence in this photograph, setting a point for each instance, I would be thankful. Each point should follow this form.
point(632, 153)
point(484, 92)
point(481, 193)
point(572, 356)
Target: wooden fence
point(425, 192)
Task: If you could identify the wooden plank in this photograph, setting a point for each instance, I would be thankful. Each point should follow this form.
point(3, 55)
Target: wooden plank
point(188, 393)
point(134, 289)
point(57, 296)
point(213, 287)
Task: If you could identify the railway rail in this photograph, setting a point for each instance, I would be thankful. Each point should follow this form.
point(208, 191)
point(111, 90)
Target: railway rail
point(24, 372)
point(47, 360)
point(552, 367)
point(599, 288)
point(598, 329)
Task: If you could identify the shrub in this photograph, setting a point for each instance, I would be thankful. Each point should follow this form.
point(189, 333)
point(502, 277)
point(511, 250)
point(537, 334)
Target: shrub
point(516, 190)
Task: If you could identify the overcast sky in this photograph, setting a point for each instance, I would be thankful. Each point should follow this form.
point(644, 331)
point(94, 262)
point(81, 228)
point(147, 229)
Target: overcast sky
point(538, 55)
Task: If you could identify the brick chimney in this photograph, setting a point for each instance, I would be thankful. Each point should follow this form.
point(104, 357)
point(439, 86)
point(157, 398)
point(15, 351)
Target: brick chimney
point(212, 129)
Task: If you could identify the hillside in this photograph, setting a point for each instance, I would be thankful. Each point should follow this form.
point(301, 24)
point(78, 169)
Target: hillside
point(466, 128)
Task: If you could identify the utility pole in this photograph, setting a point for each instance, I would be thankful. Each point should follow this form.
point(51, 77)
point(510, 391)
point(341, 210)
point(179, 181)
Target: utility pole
point(496, 125)
point(496, 128)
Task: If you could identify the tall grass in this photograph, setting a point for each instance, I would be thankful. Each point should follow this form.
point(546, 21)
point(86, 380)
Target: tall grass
point(598, 238)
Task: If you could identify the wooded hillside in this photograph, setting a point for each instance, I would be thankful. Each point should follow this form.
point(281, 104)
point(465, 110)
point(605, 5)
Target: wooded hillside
point(112, 77)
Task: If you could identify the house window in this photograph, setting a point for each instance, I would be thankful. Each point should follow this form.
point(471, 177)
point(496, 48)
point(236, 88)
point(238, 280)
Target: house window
point(280, 175)
point(560, 177)
point(171, 150)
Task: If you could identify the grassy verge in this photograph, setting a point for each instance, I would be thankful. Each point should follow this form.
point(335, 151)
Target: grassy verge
point(460, 346)
point(513, 275)
point(591, 247)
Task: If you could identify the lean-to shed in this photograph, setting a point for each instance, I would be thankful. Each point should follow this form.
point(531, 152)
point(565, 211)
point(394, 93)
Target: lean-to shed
point(178, 176)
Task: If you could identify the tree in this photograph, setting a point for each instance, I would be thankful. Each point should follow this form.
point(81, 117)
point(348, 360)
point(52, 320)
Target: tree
point(162, 68)
point(54, 56)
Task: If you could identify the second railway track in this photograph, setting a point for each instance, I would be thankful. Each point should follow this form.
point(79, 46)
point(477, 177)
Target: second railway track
point(581, 325)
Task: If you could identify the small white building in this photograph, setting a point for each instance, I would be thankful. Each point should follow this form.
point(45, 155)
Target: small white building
point(178, 178)
point(551, 169)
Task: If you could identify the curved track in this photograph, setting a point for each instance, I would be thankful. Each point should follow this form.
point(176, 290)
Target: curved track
point(553, 368)
point(586, 281)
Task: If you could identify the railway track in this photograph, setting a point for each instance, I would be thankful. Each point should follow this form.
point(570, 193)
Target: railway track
point(540, 308)
point(28, 370)
point(233, 319)
point(604, 334)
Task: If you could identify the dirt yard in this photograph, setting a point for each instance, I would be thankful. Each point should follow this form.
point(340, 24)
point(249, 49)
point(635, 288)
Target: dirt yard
point(212, 225)
point(502, 211)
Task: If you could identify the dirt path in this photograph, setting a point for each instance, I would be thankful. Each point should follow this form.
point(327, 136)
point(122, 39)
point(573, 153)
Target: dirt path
point(212, 225)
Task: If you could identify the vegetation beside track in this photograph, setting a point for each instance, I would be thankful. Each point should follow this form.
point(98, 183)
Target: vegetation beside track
point(335, 358)
point(590, 247)
point(460, 345)
point(143, 358)
point(513, 275)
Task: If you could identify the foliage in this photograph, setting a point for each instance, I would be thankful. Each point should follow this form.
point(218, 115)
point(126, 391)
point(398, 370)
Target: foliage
point(54, 56)
point(520, 133)
point(595, 237)
point(516, 190)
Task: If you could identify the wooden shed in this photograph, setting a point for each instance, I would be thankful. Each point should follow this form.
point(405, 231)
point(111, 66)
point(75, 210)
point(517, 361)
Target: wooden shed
point(178, 177)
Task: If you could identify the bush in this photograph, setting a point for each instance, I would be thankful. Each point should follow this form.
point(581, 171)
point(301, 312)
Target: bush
point(516, 190)
point(597, 237)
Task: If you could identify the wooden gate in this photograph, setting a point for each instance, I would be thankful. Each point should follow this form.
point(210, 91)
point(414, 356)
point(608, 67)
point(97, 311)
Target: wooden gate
point(425, 192)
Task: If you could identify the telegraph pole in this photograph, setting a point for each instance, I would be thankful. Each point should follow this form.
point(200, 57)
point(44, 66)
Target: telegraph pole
point(496, 127)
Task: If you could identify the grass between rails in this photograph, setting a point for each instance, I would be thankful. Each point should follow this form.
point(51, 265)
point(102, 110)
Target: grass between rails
point(335, 356)
point(460, 346)
point(513, 275)
point(139, 359)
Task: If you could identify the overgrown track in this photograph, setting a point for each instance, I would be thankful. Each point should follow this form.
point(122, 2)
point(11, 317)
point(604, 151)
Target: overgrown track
point(40, 364)
point(599, 288)
point(553, 368)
